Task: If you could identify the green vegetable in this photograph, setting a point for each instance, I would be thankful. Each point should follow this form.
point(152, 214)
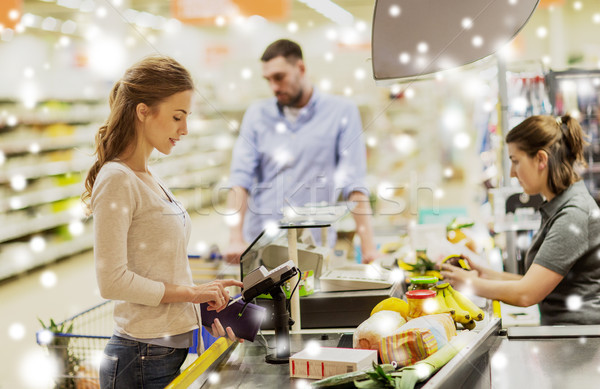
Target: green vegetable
point(347, 380)
point(425, 368)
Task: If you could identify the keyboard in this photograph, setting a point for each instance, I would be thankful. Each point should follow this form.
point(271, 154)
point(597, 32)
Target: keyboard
point(355, 277)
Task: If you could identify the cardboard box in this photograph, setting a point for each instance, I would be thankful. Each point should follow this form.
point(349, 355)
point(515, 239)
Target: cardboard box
point(325, 362)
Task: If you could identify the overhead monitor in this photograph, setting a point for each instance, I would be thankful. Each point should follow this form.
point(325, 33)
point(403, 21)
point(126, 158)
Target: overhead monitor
point(412, 38)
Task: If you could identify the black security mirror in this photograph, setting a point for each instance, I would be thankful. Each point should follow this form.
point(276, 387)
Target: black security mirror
point(412, 38)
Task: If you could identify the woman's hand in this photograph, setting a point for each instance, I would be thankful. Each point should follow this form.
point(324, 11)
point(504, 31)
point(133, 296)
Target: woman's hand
point(213, 293)
point(217, 330)
point(458, 277)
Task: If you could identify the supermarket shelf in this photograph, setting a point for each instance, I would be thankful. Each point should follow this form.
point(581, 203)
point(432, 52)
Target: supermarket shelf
point(196, 148)
point(80, 137)
point(188, 163)
point(593, 168)
point(81, 163)
point(80, 112)
point(195, 180)
point(17, 258)
point(39, 197)
point(13, 230)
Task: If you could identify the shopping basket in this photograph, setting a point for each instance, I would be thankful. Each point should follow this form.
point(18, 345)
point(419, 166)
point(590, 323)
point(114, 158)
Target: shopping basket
point(77, 345)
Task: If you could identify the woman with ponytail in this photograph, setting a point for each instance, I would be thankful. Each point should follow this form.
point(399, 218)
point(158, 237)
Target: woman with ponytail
point(563, 265)
point(141, 231)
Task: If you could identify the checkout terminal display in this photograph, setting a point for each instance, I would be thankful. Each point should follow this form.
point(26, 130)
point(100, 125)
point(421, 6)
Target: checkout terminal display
point(270, 249)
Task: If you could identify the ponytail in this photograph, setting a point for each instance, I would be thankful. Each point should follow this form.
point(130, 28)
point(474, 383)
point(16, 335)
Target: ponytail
point(574, 138)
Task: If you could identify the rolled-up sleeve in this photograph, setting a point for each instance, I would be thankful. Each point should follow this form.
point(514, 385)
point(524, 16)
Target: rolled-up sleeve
point(113, 206)
point(352, 158)
point(245, 157)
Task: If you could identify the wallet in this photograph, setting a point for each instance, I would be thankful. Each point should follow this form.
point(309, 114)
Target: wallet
point(244, 326)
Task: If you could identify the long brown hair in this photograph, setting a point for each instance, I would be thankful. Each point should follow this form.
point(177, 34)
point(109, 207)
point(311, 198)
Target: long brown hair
point(150, 81)
point(561, 138)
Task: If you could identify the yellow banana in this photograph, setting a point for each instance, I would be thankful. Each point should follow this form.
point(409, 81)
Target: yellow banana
point(466, 304)
point(460, 315)
point(441, 303)
point(405, 266)
point(469, 325)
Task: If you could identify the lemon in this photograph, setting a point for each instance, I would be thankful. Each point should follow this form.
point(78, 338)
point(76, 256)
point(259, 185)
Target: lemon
point(392, 304)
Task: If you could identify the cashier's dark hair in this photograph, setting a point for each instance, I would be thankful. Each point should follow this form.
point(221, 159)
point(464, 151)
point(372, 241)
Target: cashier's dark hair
point(285, 48)
point(149, 81)
point(561, 138)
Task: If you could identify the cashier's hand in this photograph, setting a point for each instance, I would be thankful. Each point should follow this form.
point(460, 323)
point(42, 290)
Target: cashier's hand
point(217, 331)
point(456, 276)
point(213, 293)
point(370, 256)
point(234, 252)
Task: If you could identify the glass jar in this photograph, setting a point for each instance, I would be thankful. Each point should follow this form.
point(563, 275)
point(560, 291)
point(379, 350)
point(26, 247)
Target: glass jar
point(423, 283)
point(417, 300)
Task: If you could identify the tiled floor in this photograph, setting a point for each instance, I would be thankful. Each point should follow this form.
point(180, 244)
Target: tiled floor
point(25, 299)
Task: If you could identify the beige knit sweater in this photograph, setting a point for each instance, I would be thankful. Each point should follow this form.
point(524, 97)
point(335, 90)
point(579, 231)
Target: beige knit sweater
point(140, 242)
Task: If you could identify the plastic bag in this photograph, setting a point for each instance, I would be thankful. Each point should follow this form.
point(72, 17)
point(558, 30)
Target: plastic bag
point(417, 339)
point(369, 333)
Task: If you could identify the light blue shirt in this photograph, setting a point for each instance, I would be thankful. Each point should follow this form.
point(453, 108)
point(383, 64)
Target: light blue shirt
point(316, 159)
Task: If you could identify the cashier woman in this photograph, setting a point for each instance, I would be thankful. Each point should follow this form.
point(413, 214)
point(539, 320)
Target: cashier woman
point(562, 275)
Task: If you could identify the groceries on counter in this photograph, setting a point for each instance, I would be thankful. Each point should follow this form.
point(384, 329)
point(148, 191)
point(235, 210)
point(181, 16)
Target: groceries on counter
point(463, 310)
point(423, 283)
point(405, 332)
point(325, 362)
point(388, 376)
point(369, 333)
point(392, 304)
point(417, 339)
point(422, 266)
point(421, 302)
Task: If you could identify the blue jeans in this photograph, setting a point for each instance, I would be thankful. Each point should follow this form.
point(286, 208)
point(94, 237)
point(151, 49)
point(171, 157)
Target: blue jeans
point(127, 364)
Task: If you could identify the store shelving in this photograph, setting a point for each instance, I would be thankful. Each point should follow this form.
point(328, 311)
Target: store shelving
point(40, 197)
point(19, 257)
point(46, 152)
point(46, 169)
point(577, 92)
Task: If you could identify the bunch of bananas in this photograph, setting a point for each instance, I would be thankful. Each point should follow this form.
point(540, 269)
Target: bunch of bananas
point(463, 310)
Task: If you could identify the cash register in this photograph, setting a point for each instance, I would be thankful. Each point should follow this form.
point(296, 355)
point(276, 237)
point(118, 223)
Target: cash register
point(344, 296)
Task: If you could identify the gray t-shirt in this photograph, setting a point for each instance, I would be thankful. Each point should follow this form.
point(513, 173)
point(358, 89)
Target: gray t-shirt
point(570, 227)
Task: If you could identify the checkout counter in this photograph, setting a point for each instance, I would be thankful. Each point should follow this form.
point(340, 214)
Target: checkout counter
point(497, 357)
point(517, 357)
